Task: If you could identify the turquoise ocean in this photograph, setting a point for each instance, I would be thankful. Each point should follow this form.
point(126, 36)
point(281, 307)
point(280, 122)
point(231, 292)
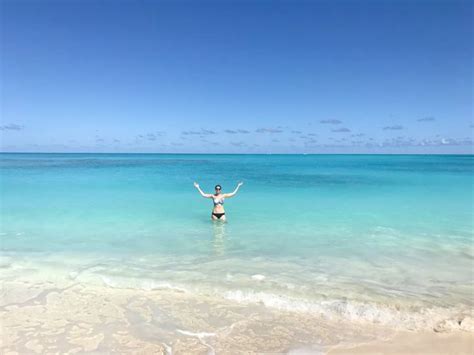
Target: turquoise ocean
point(379, 238)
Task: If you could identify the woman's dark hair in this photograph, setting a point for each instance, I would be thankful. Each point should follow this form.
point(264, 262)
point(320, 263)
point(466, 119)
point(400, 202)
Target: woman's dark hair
point(218, 187)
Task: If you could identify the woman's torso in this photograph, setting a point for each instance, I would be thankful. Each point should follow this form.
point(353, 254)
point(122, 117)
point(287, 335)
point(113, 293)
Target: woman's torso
point(218, 201)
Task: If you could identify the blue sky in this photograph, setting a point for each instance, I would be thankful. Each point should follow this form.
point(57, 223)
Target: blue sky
point(237, 76)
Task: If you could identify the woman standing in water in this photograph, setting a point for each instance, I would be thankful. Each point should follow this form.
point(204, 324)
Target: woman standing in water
point(218, 211)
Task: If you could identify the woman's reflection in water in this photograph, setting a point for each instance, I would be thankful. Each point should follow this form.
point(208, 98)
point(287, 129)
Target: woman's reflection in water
point(218, 242)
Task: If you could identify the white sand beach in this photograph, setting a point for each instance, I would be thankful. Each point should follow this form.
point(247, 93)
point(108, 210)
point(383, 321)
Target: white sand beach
point(69, 317)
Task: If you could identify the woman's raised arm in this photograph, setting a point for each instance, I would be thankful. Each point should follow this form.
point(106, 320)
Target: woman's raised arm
point(235, 191)
point(196, 185)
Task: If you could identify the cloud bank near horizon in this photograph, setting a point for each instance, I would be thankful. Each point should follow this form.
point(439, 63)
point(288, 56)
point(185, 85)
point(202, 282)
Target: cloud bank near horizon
point(250, 140)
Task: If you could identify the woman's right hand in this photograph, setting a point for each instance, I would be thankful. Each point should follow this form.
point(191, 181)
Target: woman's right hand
point(196, 185)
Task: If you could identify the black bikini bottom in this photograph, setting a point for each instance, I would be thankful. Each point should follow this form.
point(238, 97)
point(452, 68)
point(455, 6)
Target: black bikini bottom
point(218, 215)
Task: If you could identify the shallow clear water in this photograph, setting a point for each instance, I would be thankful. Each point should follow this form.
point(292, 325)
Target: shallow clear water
point(358, 235)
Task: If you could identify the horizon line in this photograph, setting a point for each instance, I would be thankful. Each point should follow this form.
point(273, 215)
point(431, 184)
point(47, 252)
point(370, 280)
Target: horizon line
point(158, 153)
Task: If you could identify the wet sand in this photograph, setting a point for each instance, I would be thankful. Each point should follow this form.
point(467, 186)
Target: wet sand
point(409, 343)
point(70, 317)
point(45, 318)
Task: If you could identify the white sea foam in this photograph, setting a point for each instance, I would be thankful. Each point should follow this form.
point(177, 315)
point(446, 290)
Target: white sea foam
point(198, 335)
point(143, 284)
point(358, 311)
point(168, 349)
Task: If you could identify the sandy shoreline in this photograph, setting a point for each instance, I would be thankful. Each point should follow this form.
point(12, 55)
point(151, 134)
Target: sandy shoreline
point(415, 343)
point(80, 318)
point(76, 318)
